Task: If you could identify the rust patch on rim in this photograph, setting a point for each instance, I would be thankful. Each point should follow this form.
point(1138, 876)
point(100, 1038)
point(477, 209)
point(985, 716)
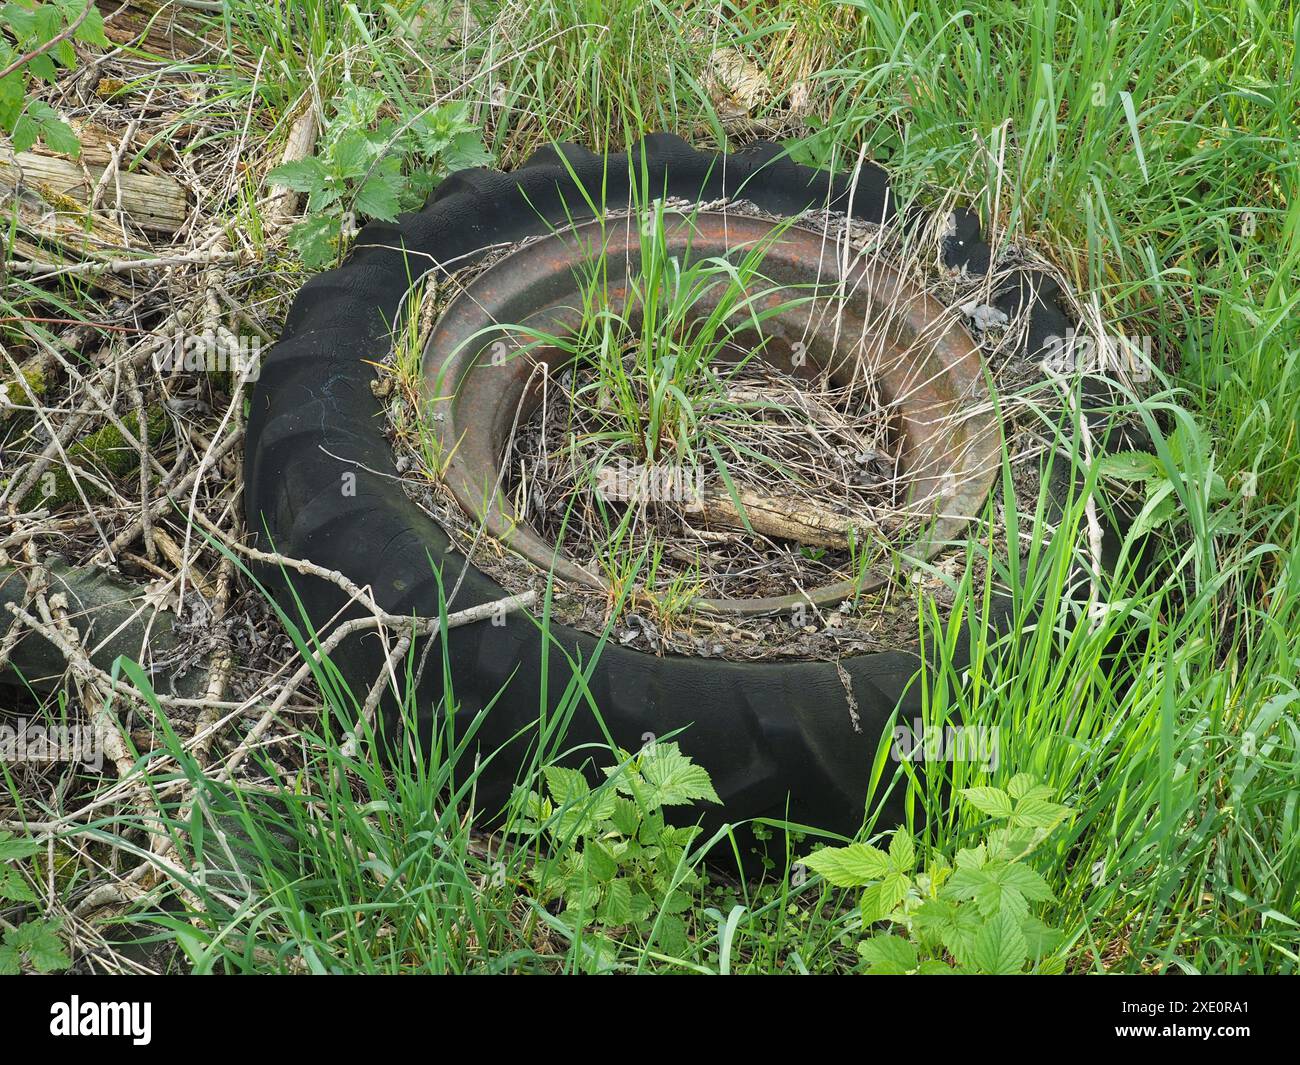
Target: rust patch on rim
point(484, 372)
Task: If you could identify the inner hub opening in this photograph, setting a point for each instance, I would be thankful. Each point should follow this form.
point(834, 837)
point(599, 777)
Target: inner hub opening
point(692, 406)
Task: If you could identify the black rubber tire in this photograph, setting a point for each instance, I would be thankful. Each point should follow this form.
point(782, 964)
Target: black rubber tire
point(778, 737)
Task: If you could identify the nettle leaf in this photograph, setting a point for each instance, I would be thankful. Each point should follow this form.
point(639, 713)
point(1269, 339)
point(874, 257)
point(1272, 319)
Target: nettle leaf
point(13, 887)
point(14, 848)
point(324, 197)
point(673, 778)
point(353, 153)
point(1160, 507)
point(999, 949)
point(888, 955)
point(418, 186)
point(466, 150)
point(991, 801)
point(314, 240)
point(1130, 466)
point(856, 865)
point(379, 197)
point(449, 134)
point(357, 105)
point(430, 136)
point(301, 175)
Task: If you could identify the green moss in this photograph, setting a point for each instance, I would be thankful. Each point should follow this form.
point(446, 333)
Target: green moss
point(37, 383)
point(104, 451)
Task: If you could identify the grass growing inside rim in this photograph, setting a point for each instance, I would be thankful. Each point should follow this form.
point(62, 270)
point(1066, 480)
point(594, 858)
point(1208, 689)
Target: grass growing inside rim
point(657, 368)
point(653, 374)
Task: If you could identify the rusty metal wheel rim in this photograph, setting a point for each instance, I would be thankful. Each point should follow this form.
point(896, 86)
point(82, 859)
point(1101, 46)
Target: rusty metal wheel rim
point(481, 378)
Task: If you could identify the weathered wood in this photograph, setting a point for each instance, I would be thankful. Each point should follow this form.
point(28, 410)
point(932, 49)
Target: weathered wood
point(299, 144)
point(783, 519)
point(156, 27)
point(154, 203)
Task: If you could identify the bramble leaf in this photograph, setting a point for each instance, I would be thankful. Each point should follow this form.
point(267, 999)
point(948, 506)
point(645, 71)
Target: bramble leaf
point(856, 865)
point(888, 955)
point(673, 778)
point(991, 801)
point(999, 948)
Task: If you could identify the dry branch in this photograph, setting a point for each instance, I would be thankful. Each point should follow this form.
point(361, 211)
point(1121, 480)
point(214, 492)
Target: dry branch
point(783, 519)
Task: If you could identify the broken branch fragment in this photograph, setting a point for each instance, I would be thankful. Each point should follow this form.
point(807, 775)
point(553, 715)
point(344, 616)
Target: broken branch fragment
point(784, 519)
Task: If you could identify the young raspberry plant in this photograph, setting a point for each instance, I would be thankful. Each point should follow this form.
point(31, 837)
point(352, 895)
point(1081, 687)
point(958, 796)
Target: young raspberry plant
point(974, 914)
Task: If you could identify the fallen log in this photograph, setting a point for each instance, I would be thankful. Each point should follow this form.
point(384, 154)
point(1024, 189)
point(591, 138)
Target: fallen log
point(158, 204)
point(157, 27)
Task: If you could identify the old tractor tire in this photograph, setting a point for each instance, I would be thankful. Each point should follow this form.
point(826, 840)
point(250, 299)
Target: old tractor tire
point(777, 737)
